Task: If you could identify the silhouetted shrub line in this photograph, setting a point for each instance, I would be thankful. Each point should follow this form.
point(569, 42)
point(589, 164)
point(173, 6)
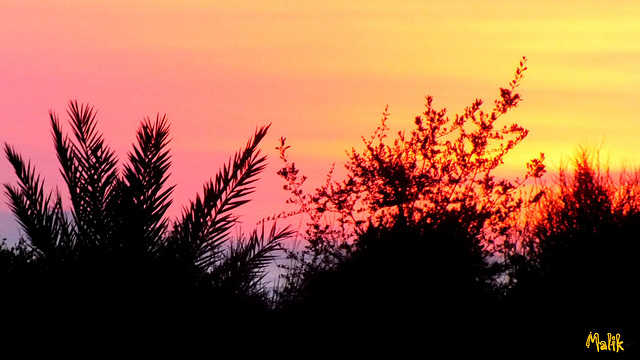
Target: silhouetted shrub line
point(421, 239)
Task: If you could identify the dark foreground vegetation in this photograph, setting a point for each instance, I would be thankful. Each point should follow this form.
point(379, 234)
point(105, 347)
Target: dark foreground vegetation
point(420, 248)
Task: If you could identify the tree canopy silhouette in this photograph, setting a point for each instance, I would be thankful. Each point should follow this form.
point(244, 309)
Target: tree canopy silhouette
point(111, 266)
point(421, 243)
point(412, 221)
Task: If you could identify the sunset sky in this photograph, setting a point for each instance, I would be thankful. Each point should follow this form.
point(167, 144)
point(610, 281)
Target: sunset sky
point(321, 72)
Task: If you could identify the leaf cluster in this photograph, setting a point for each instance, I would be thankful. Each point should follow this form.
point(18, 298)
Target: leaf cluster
point(114, 239)
point(444, 166)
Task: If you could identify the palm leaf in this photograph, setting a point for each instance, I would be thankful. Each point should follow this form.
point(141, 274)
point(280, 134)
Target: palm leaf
point(205, 224)
point(144, 179)
point(245, 267)
point(89, 170)
point(40, 216)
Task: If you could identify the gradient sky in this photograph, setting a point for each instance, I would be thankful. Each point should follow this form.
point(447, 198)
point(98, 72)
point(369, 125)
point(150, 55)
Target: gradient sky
point(320, 71)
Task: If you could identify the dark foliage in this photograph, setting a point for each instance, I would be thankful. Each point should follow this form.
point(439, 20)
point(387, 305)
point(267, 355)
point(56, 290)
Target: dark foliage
point(407, 251)
point(114, 271)
point(582, 271)
point(421, 247)
point(420, 250)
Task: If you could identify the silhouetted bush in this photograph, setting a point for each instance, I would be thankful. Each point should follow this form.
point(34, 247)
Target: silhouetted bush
point(582, 273)
point(400, 246)
point(422, 246)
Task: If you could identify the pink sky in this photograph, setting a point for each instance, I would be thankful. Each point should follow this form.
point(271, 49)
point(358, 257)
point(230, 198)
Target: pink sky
point(320, 71)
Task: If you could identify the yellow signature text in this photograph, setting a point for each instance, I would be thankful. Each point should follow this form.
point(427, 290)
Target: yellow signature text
point(613, 342)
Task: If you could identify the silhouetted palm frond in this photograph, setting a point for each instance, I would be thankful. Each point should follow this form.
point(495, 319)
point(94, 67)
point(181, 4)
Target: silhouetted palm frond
point(115, 259)
point(205, 224)
point(39, 215)
point(245, 266)
point(144, 198)
point(89, 169)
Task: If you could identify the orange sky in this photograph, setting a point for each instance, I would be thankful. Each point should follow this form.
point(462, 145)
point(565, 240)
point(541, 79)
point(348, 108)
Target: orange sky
point(320, 71)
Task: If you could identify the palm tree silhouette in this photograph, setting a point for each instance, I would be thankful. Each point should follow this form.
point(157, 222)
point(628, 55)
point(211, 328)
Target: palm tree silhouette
point(113, 260)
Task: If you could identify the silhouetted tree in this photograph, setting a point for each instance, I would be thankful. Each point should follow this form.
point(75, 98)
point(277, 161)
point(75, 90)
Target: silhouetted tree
point(113, 269)
point(404, 250)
